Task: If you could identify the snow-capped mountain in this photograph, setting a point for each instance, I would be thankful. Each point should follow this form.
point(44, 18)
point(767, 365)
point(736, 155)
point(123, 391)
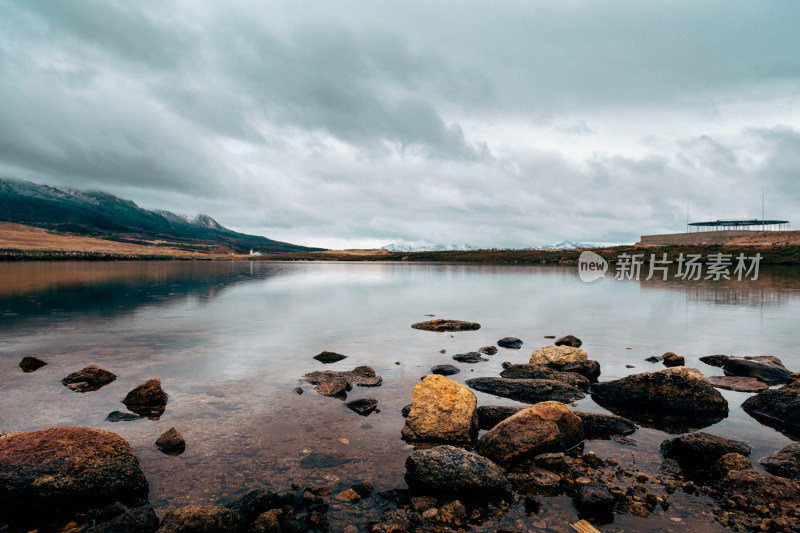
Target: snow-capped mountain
point(425, 247)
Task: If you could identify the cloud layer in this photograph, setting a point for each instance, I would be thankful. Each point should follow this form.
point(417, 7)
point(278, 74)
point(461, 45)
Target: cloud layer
point(359, 123)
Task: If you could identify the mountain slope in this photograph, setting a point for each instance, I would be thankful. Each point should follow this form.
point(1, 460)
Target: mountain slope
point(103, 215)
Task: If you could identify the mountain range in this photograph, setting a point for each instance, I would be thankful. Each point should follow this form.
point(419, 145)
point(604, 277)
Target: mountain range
point(102, 215)
point(424, 247)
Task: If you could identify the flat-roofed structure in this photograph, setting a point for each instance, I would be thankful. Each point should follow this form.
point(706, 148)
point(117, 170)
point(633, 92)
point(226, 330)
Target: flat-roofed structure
point(739, 224)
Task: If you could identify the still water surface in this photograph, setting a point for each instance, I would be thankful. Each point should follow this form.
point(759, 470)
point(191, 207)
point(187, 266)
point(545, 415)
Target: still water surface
point(231, 341)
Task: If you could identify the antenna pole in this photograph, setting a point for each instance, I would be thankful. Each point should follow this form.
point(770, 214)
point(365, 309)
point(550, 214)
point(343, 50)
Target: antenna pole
point(762, 209)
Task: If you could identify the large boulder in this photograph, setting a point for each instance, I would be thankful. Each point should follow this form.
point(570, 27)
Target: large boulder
point(701, 450)
point(148, 399)
point(450, 472)
point(202, 519)
point(543, 428)
point(557, 356)
point(588, 369)
point(764, 368)
point(602, 426)
point(64, 470)
point(738, 383)
point(88, 379)
point(136, 520)
point(441, 324)
point(760, 489)
point(527, 390)
point(785, 463)
point(530, 371)
point(679, 390)
point(441, 411)
point(491, 415)
point(777, 407)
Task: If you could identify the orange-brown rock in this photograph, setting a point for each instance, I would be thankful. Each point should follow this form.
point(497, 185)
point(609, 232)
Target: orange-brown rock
point(441, 411)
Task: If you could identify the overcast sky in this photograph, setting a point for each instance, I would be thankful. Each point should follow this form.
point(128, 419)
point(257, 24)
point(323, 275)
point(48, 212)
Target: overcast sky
point(361, 123)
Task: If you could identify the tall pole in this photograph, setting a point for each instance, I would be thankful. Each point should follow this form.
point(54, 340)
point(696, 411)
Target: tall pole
point(762, 209)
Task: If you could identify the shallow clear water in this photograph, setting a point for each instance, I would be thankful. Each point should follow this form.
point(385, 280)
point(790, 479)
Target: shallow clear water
point(231, 341)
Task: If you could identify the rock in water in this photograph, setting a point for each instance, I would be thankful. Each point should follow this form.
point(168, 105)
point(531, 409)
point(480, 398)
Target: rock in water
point(441, 324)
point(488, 350)
point(777, 407)
point(89, 379)
point(569, 340)
point(785, 463)
point(329, 357)
point(148, 399)
point(445, 370)
point(333, 387)
point(678, 390)
point(471, 357)
point(671, 359)
point(760, 489)
point(714, 360)
point(119, 416)
point(363, 376)
point(441, 411)
point(737, 383)
point(546, 427)
point(491, 415)
point(557, 356)
point(601, 426)
point(594, 499)
point(510, 342)
point(363, 406)
point(136, 520)
point(527, 390)
point(30, 363)
point(449, 472)
point(171, 442)
point(530, 371)
point(730, 462)
point(701, 450)
point(588, 369)
point(763, 367)
point(64, 470)
point(205, 519)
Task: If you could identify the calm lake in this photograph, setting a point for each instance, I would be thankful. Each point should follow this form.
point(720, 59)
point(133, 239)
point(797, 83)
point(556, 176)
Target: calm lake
point(231, 341)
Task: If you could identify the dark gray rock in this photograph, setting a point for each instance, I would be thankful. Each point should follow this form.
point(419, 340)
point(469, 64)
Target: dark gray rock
point(30, 363)
point(441, 324)
point(569, 340)
point(363, 406)
point(588, 369)
point(510, 342)
point(777, 407)
point(488, 350)
point(88, 379)
point(445, 370)
point(714, 360)
point(148, 399)
point(137, 520)
point(470, 357)
point(257, 502)
point(406, 410)
point(700, 450)
point(450, 472)
point(363, 376)
point(527, 390)
point(316, 460)
point(491, 415)
point(202, 519)
point(738, 383)
point(529, 371)
point(764, 368)
point(329, 357)
point(363, 488)
point(171, 442)
point(602, 426)
point(119, 416)
point(785, 463)
point(594, 499)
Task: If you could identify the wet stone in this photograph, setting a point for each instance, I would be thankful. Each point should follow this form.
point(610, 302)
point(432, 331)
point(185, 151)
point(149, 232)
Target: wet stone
point(738, 383)
point(171, 442)
point(30, 363)
point(445, 370)
point(441, 324)
point(324, 460)
point(488, 350)
point(89, 379)
point(329, 357)
point(470, 357)
point(119, 416)
point(510, 342)
point(333, 387)
point(363, 406)
point(569, 340)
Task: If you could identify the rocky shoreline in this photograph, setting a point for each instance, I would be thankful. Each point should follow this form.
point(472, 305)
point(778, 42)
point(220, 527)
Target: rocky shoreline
point(470, 464)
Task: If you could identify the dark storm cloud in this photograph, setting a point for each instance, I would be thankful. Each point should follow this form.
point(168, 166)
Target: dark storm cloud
point(504, 124)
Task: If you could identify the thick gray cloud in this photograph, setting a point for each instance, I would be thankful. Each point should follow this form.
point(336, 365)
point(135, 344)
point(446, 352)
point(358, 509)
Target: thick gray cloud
point(359, 123)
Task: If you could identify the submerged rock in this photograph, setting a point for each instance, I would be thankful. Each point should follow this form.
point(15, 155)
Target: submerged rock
point(441, 411)
point(714, 360)
point(449, 472)
point(471, 357)
point(527, 390)
point(91, 378)
point(363, 406)
point(363, 376)
point(569, 340)
point(777, 407)
point(488, 350)
point(510, 342)
point(335, 386)
point(440, 324)
point(202, 519)
point(148, 399)
point(529, 371)
point(679, 390)
point(445, 370)
point(594, 499)
point(316, 460)
point(701, 450)
point(30, 363)
point(171, 442)
point(64, 470)
point(557, 356)
point(602, 426)
point(588, 369)
point(736, 383)
point(119, 416)
point(764, 368)
point(785, 463)
point(543, 428)
point(329, 357)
